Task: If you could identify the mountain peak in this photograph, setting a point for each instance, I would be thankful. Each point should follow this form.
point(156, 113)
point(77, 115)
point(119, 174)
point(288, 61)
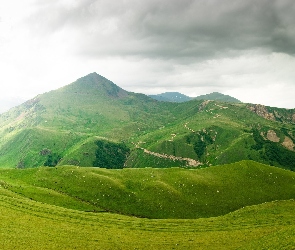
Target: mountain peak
point(218, 97)
point(96, 83)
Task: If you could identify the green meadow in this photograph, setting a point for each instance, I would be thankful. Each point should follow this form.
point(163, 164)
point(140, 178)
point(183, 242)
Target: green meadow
point(26, 224)
point(245, 205)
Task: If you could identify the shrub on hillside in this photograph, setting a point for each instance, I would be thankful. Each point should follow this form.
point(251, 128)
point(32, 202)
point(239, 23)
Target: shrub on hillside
point(52, 160)
point(110, 154)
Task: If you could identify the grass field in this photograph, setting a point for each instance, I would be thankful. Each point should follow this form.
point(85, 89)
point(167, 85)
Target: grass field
point(26, 224)
point(246, 205)
point(154, 193)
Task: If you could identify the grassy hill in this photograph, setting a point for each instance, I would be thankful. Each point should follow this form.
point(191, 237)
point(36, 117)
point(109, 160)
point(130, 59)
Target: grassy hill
point(154, 193)
point(65, 127)
point(216, 133)
point(266, 226)
point(46, 207)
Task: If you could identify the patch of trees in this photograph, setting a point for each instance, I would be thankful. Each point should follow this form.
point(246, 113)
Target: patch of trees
point(20, 165)
point(52, 160)
point(276, 153)
point(259, 141)
point(111, 155)
point(200, 142)
point(272, 152)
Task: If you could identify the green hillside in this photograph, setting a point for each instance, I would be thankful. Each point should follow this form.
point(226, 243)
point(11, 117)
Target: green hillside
point(154, 193)
point(266, 226)
point(51, 208)
point(65, 127)
point(215, 133)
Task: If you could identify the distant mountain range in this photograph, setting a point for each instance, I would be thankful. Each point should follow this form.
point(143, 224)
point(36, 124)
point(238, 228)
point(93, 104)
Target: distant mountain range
point(178, 97)
point(93, 122)
point(171, 97)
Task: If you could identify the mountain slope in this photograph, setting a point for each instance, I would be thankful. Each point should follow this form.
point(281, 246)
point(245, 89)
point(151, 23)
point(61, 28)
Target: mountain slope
point(90, 107)
point(86, 122)
point(266, 226)
point(218, 133)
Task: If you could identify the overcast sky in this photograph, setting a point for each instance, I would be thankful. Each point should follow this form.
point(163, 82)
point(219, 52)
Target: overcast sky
point(245, 49)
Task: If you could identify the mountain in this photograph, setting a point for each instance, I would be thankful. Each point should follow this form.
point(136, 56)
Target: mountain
point(171, 97)
point(217, 97)
point(93, 122)
point(178, 97)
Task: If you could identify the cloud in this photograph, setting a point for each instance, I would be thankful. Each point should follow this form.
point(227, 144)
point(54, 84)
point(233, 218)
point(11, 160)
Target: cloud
point(171, 29)
point(192, 46)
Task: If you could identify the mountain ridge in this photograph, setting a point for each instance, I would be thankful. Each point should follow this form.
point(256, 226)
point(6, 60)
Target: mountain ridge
point(67, 123)
point(171, 97)
point(179, 97)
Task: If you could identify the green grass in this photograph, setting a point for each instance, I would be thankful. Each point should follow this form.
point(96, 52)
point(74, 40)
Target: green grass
point(26, 224)
point(245, 205)
point(156, 193)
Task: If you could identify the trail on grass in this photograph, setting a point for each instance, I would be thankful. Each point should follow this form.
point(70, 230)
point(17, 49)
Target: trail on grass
point(190, 162)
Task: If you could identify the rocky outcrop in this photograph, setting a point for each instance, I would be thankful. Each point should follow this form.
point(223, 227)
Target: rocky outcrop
point(274, 114)
point(288, 143)
point(272, 136)
point(203, 105)
point(262, 111)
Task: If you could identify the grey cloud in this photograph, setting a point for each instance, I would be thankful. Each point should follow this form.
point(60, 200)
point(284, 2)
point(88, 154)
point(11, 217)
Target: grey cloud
point(170, 29)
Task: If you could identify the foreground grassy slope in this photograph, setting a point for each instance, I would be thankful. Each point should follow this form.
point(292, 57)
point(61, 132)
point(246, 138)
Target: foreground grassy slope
point(23, 221)
point(154, 193)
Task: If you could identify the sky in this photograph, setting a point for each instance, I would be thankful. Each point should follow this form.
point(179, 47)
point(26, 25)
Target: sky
point(245, 49)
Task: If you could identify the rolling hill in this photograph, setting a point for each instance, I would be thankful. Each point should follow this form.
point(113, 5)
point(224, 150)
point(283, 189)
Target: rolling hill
point(69, 207)
point(266, 226)
point(93, 122)
point(154, 193)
